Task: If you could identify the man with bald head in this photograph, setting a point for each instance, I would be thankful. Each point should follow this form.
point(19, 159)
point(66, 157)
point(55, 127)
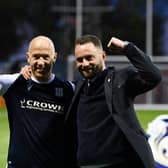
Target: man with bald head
point(41, 56)
point(36, 109)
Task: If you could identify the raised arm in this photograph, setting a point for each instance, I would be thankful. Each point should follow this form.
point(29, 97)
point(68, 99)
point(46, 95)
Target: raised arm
point(146, 75)
point(117, 43)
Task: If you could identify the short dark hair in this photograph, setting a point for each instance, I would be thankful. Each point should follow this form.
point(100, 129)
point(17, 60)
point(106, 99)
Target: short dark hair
point(89, 39)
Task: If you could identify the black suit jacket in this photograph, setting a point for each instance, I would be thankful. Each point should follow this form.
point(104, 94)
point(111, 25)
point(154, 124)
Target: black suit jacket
point(121, 87)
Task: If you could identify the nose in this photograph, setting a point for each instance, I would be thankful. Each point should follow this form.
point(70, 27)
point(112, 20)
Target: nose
point(40, 61)
point(85, 62)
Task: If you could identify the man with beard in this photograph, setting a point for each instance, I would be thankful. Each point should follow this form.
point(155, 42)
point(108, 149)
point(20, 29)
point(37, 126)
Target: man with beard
point(36, 110)
point(109, 134)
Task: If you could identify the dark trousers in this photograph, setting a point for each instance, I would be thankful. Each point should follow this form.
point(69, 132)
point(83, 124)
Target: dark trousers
point(128, 165)
point(133, 166)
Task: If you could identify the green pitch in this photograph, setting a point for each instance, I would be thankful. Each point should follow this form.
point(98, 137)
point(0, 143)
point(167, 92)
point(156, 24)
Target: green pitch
point(4, 136)
point(144, 117)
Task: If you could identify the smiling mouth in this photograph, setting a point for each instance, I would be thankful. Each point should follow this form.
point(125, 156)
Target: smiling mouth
point(40, 70)
point(86, 70)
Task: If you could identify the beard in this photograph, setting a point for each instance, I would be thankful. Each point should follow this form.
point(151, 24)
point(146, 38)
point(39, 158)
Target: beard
point(90, 71)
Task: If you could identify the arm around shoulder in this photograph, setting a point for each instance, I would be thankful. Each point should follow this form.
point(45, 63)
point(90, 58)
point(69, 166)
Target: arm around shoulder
point(6, 80)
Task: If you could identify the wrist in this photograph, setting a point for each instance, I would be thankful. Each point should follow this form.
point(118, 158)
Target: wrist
point(126, 44)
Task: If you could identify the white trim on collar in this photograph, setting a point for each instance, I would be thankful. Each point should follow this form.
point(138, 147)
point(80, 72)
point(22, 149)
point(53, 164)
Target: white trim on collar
point(49, 81)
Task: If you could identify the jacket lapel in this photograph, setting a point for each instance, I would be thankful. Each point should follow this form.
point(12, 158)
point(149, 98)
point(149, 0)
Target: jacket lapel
point(108, 88)
point(75, 97)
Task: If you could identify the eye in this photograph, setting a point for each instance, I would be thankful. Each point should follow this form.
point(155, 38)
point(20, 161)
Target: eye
point(45, 56)
point(89, 57)
point(38, 56)
point(35, 56)
point(79, 59)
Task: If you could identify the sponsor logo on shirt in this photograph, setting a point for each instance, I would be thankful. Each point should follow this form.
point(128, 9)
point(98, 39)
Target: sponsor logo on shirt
point(42, 106)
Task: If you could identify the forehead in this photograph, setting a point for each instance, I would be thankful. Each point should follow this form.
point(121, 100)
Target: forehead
point(41, 46)
point(86, 49)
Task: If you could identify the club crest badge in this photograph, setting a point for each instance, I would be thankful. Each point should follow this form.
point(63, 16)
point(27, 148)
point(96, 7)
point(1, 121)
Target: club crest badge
point(59, 92)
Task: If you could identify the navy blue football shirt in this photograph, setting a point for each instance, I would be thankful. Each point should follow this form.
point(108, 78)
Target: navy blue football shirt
point(36, 115)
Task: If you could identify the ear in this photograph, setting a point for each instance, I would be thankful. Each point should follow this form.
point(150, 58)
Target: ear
point(104, 55)
point(28, 57)
point(55, 57)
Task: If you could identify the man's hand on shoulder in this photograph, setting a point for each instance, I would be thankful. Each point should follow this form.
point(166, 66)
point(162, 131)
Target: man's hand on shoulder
point(26, 72)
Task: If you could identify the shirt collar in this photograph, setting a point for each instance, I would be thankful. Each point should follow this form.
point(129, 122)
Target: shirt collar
point(49, 81)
